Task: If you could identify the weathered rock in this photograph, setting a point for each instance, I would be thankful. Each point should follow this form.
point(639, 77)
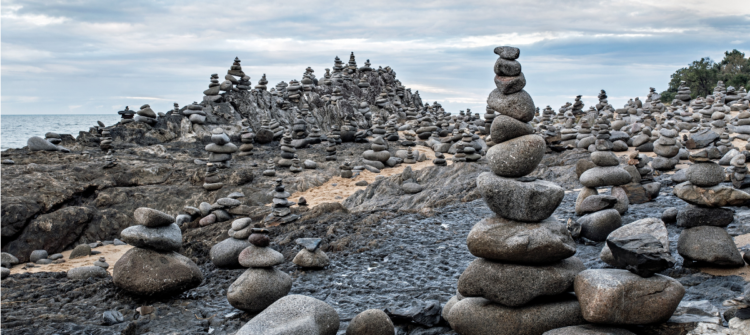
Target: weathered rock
point(37, 255)
point(258, 288)
point(152, 218)
point(226, 253)
point(583, 165)
point(708, 246)
point(623, 202)
point(148, 272)
point(603, 158)
point(604, 176)
point(613, 296)
point(371, 322)
point(506, 128)
point(258, 257)
point(166, 238)
point(669, 215)
point(37, 143)
point(81, 250)
point(515, 284)
point(651, 226)
point(597, 226)
point(596, 203)
point(8, 260)
point(531, 201)
point(716, 196)
point(694, 216)
point(86, 272)
point(506, 240)
point(517, 105)
point(641, 254)
point(516, 157)
point(705, 174)
point(308, 259)
point(411, 188)
point(481, 316)
point(294, 315)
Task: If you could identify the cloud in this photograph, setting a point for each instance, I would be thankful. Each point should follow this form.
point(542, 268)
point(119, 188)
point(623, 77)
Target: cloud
point(93, 53)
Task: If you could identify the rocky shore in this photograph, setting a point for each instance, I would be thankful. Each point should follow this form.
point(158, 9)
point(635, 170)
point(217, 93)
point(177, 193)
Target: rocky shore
point(346, 203)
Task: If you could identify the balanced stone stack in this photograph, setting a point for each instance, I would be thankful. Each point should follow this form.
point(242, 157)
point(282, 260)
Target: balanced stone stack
point(246, 137)
point(605, 211)
point(270, 171)
point(225, 254)
point(331, 151)
point(212, 93)
point(262, 83)
point(105, 142)
point(439, 159)
point(212, 181)
point(109, 160)
point(195, 113)
point(704, 241)
point(519, 283)
point(146, 115)
point(287, 151)
point(280, 214)
point(311, 256)
point(683, 93)
point(378, 154)
point(346, 170)
point(153, 267)
point(738, 174)
point(296, 165)
point(261, 284)
point(666, 149)
point(221, 150)
point(126, 115)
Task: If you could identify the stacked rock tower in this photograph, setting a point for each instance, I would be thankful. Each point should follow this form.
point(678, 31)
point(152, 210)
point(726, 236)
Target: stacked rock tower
point(519, 283)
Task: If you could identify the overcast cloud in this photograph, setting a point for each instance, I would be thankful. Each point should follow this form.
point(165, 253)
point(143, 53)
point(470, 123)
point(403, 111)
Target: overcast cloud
point(95, 57)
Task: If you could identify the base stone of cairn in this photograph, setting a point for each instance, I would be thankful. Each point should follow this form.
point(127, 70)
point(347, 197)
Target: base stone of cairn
point(310, 256)
point(225, 253)
point(519, 283)
point(153, 267)
point(261, 284)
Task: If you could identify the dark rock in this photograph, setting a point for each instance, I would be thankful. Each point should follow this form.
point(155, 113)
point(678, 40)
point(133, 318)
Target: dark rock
point(517, 105)
point(152, 218)
point(705, 174)
point(588, 330)
point(597, 226)
point(694, 216)
point(370, 322)
point(716, 196)
point(37, 143)
point(112, 317)
point(225, 254)
point(258, 288)
point(506, 128)
point(605, 176)
point(669, 215)
point(425, 313)
point(641, 254)
point(515, 200)
point(81, 250)
point(37, 255)
point(710, 246)
point(583, 165)
point(650, 226)
point(596, 203)
point(86, 272)
point(166, 238)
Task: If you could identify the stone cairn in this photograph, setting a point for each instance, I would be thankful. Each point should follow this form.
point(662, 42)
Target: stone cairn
point(211, 179)
point(280, 214)
point(270, 170)
point(195, 113)
point(246, 137)
point(311, 256)
point(378, 154)
point(220, 211)
point(221, 149)
point(145, 115)
point(105, 142)
point(524, 254)
point(666, 148)
point(287, 151)
point(605, 210)
point(126, 115)
point(226, 253)
point(704, 241)
point(261, 284)
point(212, 93)
point(346, 170)
point(109, 160)
point(738, 173)
point(331, 150)
point(296, 165)
point(153, 267)
point(439, 159)
point(683, 94)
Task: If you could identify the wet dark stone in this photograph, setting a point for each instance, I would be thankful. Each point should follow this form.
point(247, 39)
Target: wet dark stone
point(642, 254)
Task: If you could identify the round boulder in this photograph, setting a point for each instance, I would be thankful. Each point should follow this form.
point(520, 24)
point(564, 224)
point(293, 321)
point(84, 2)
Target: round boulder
point(516, 157)
point(149, 272)
point(371, 322)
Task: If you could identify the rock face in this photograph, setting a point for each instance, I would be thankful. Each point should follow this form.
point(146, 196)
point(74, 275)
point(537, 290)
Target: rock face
point(294, 315)
point(621, 297)
point(709, 246)
point(480, 316)
point(150, 272)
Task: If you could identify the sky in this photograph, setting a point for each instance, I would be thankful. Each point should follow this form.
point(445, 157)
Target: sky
point(96, 57)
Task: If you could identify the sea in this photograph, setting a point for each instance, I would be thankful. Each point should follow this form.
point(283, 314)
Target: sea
point(16, 129)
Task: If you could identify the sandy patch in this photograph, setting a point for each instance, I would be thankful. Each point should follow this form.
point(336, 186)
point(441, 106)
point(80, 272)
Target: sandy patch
point(743, 272)
point(345, 186)
point(110, 252)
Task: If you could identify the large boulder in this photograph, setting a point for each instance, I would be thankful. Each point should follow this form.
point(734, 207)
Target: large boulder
point(613, 296)
point(694, 216)
point(651, 226)
point(478, 316)
point(708, 245)
point(294, 315)
point(516, 284)
point(150, 273)
point(597, 226)
point(528, 201)
point(258, 288)
point(715, 196)
point(506, 240)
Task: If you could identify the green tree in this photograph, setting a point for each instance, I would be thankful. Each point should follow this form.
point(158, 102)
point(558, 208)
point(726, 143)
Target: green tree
point(702, 75)
point(734, 69)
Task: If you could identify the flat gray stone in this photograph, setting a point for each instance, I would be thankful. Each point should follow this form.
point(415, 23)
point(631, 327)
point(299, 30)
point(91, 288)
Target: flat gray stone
point(706, 245)
point(166, 238)
point(152, 218)
point(294, 315)
point(226, 253)
point(86, 272)
point(605, 176)
point(258, 288)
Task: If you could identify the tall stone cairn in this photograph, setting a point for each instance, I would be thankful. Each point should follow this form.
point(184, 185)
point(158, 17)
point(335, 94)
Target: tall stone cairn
point(525, 267)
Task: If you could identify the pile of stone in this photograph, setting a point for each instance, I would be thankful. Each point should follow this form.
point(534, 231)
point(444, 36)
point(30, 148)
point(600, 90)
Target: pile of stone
point(109, 160)
point(105, 141)
point(632, 294)
point(667, 149)
point(738, 172)
point(195, 113)
point(346, 170)
point(225, 254)
point(704, 242)
point(221, 149)
point(296, 165)
point(519, 283)
point(270, 170)
point(153, 267)
point(212, 93)
point(683, 93)
point(280, 214)
point(222, 210)
point(146, 115)
point(439, 159)
point(378, 154)
point(126, 115)
point(246, 137)
point(287, 151)
point(261, 284)
point(311, 256)
point(603, 212)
